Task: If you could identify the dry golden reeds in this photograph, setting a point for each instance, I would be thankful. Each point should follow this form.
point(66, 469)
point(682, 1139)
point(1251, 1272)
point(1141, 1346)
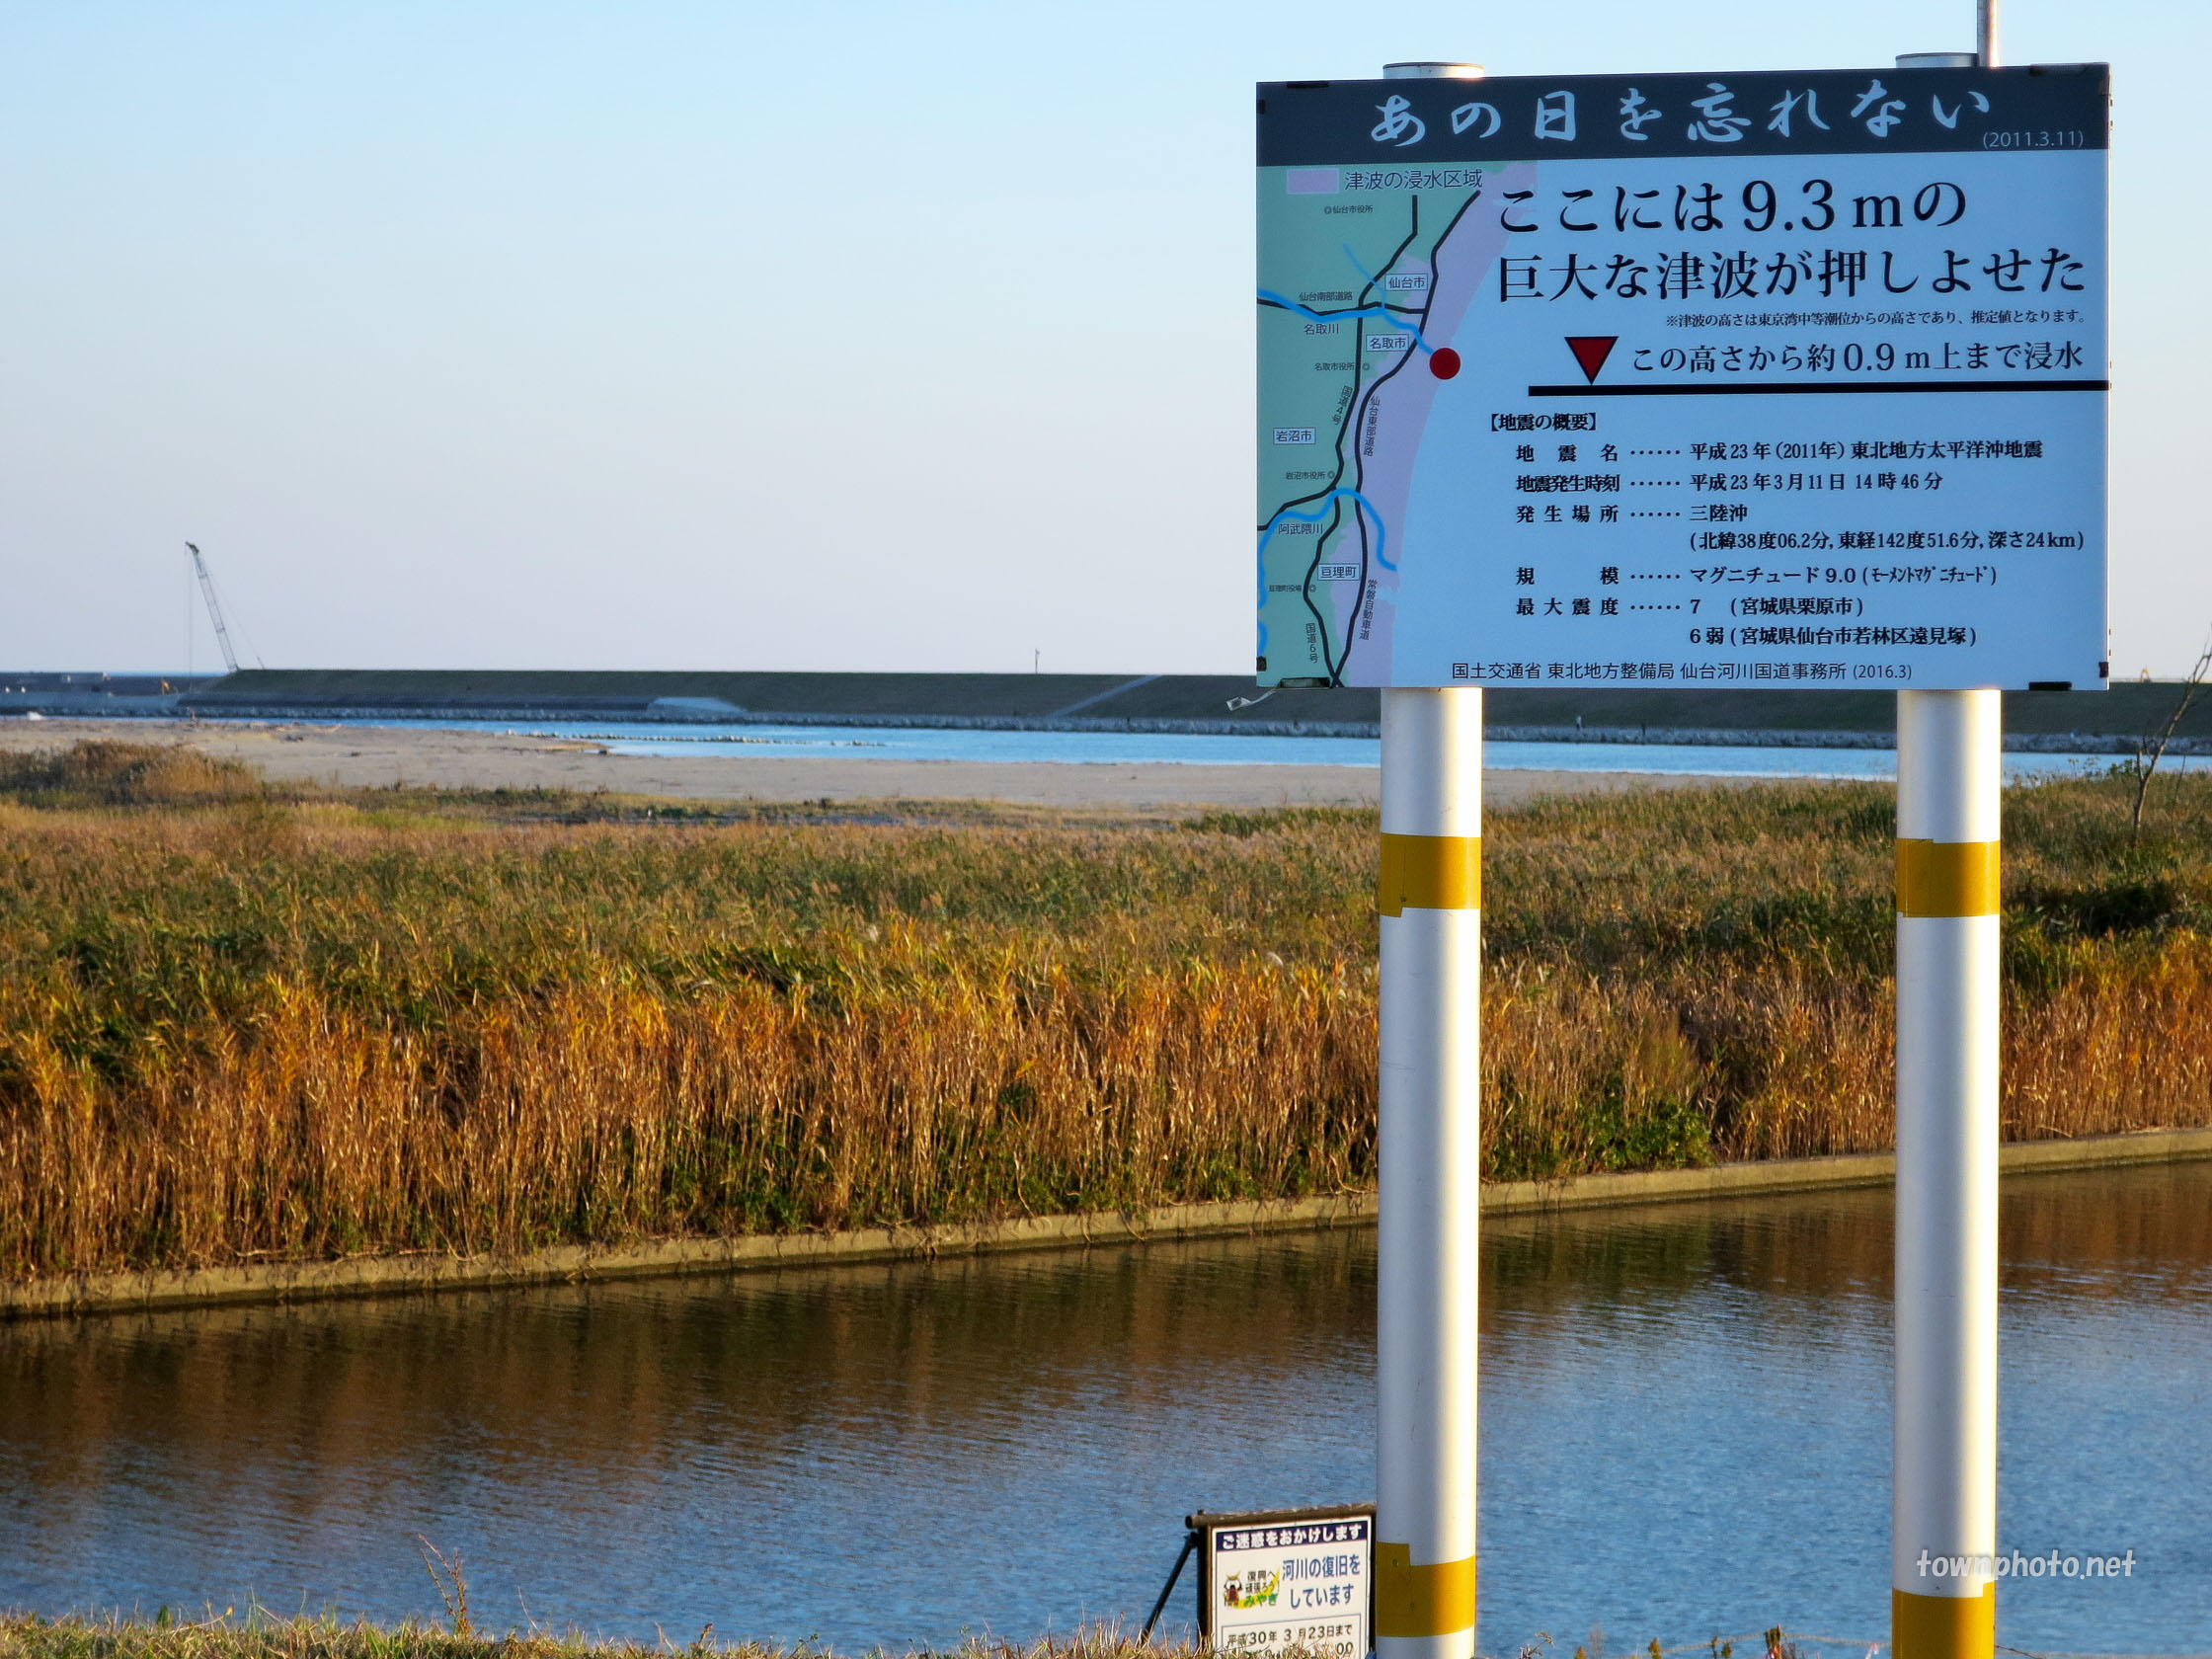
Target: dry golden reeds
point(250, 1028)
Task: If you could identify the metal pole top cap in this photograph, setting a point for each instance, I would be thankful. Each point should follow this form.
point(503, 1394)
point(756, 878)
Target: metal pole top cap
point(1433, 71)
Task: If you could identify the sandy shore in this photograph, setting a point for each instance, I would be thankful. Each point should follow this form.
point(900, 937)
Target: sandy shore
point(377, 756)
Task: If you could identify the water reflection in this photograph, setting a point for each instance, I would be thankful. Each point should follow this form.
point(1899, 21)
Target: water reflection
point(1685, 1430)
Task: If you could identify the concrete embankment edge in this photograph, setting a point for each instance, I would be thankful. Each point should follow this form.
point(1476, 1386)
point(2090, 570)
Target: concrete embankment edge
point(120, 1292)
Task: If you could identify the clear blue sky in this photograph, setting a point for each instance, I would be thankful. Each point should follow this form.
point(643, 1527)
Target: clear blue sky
point(842, 335)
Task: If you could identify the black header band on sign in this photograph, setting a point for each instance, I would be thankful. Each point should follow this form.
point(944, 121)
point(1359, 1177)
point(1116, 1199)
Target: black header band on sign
point(1829, 112)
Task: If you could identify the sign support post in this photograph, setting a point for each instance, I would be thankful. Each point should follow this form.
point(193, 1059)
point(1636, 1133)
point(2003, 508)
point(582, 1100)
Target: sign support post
point(1943, 1588)
point(1943, 1475)
point(1429, 899)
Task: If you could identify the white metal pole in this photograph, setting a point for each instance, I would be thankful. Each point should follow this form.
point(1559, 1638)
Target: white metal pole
point(1943, 1481)
point(1943, 1588)
point(1429, 897)
point(1429, 900)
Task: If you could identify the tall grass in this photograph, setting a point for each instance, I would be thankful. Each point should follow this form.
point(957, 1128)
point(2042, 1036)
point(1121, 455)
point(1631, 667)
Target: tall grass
point(238, 1026)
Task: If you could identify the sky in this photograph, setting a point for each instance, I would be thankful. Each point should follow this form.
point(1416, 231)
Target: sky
point(751, 336)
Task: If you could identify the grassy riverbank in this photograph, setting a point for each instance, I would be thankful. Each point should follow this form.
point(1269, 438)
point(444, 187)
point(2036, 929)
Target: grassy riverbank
point(266, 1637)
point(240, 1025)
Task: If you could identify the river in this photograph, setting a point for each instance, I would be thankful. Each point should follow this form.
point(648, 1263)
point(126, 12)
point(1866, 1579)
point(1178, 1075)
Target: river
point(921, 743)
point(1685, 1433)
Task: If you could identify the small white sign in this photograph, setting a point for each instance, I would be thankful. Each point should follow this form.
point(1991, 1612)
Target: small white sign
point(1300, 1583)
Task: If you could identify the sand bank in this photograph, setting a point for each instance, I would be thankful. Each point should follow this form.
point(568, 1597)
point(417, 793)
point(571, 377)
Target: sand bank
point(378, 757)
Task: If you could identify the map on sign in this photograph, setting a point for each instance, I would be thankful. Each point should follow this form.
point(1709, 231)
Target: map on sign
point(1774, 379)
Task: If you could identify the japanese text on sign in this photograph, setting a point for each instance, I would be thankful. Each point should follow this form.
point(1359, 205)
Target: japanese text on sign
point(1537, 356)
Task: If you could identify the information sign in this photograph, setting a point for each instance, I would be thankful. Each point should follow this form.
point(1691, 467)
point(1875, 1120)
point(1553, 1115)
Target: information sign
point(1680, 380)
point(1288, 1579)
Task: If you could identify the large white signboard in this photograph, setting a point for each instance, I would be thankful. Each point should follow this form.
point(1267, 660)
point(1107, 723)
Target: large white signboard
point(1299, 1581)
point(1733, 381)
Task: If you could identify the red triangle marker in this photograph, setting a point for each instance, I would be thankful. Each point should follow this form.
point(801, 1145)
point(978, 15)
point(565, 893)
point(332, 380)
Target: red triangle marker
point(1591, 351)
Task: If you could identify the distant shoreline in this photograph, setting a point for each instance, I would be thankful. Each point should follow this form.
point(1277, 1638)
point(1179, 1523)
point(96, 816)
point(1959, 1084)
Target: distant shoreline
point(2112, 720)
point(1696, 737)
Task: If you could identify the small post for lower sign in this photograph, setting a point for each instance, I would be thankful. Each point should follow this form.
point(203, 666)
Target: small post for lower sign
point(1429, 897)
point(1944, 1587)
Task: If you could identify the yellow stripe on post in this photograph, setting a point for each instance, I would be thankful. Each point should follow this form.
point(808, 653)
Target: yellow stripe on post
point(1435, 1599)
point(1946, 879)
point(1943, 1626)
point(1430, 873)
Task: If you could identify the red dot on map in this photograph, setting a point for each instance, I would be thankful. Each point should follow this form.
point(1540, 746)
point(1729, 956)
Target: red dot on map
point(1443, 362)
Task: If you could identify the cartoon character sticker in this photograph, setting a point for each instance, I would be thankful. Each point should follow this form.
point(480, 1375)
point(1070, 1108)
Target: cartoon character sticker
point(1251, 1589)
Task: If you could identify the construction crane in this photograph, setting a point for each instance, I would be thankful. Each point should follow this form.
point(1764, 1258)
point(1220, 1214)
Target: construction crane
point(215, 606)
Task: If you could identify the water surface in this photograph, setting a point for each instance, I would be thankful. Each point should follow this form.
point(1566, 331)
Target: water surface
point(1685, 1432)
point(1119, 748)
